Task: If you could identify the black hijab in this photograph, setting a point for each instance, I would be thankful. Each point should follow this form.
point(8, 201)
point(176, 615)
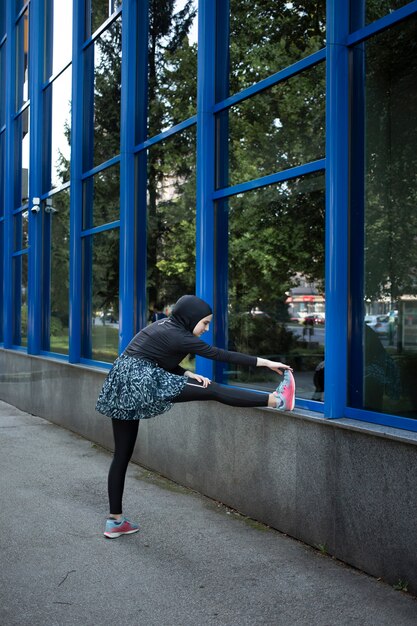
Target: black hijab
point(189, 310)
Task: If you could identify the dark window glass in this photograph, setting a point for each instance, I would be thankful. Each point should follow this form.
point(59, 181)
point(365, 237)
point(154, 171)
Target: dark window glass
point(266, 37)
point(57, 101)
point(2, 82)
point(1, 290)
point(101, 198)
point(21, 230)
point(2, 19)
point(22, 159)
point(365, 11)
point(19, 4)
point(58, 35)
point(101, 296)
point(275, 265)
point(97, 12)
point(171, 221)
point(56, 272)
point(20, 308)
point(2, 173)
point(280, 128)
point(384, 372)
point(22, 61)
point(103, 64)
point(172, 64)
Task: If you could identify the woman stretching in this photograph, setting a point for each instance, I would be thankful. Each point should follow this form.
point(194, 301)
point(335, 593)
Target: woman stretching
point(146, 380)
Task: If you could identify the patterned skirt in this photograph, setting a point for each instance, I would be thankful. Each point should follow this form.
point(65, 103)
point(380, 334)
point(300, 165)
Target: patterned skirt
point(136, 389)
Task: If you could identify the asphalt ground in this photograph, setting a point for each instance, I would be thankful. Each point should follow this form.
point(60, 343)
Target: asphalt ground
point(194, 563)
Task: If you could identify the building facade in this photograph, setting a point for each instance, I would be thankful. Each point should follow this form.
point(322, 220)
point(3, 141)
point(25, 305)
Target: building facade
point(235, 150)
point(261, 155)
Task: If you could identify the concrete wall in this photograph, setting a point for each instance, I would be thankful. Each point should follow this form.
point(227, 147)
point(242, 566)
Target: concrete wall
point(344, 485)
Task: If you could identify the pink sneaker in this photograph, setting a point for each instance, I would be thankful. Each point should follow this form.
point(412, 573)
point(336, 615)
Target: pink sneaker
point(285, 393)
point(116, 529)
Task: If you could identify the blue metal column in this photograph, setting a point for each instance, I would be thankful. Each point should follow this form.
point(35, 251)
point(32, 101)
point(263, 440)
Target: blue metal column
point(205, 162)
point(36, 56)
point(75, 284)
point(9, 176)
point(222, 60)
point(127, 173)
point(141, 173)
point(357, 212)
point(337, 194)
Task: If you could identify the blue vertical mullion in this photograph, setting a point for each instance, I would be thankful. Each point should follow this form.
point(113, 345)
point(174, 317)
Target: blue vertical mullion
point(205, 161)
point(222, 181)
point(35, 175)
point(141, 167)
point(337, 194)
point(75, 283)
point(127, 171)
point(9, 177)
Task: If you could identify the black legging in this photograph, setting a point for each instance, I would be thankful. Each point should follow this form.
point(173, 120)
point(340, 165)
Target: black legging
point(125, 431)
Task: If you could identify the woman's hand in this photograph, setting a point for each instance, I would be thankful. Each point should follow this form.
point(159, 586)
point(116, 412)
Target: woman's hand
point(276, 366)
point(201, 379)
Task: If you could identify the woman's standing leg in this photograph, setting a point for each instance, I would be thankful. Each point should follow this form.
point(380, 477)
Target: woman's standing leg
point(125, 433)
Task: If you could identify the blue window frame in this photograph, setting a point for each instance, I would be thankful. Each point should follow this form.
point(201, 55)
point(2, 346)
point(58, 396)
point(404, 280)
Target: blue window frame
point(33, 77)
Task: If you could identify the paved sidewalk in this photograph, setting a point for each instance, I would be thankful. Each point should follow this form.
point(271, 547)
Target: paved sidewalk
point(194, 563)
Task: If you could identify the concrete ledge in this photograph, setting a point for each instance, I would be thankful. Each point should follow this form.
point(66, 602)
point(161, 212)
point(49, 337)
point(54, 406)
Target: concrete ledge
point(346, 486)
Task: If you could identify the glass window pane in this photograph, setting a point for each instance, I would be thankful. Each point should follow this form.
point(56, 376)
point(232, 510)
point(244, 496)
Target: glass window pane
point(276, 305)
point(19, 4)
point(22, 159)
point(21, 230)
point(265, 37)
point(1, 290)
point(2, 82)
point(389, 359)
point(58, 35)
point(20, 309)
point(2, 173)
point(280, 128)
point(101, 296)
point(56, 272)
point(2, 19)
point(57, 103)
point(22, 60)
point(97, 12)
point(365, 11)
point(101, 198)
point(172, 63)
point(171, 220)
point(103, 64)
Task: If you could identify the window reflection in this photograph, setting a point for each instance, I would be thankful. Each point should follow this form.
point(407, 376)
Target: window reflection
point(101, 198)
point(2, 174)
point(58, 35)
point(1, 274)
point(102, 97)
point(22, 157)
point(55, 271)
point(21, 230)
point(20, 309)
point(101, 296)
point(58, 102)
point(276, 280)
point(365, 11)
point(97, 12)
point(22, 60)
point(280, 128)
point(172, 63)
point(389, 301)
point(2, 82)
point(171, 220)
point(266, 37)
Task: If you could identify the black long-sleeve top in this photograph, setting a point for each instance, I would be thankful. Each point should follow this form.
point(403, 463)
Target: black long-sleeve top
point(167, 343)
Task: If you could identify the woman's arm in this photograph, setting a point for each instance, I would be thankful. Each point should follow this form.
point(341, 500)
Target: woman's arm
point(276, 366)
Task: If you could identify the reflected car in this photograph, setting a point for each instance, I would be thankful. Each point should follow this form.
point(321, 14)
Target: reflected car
point(314, 318)
point(378, 323)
